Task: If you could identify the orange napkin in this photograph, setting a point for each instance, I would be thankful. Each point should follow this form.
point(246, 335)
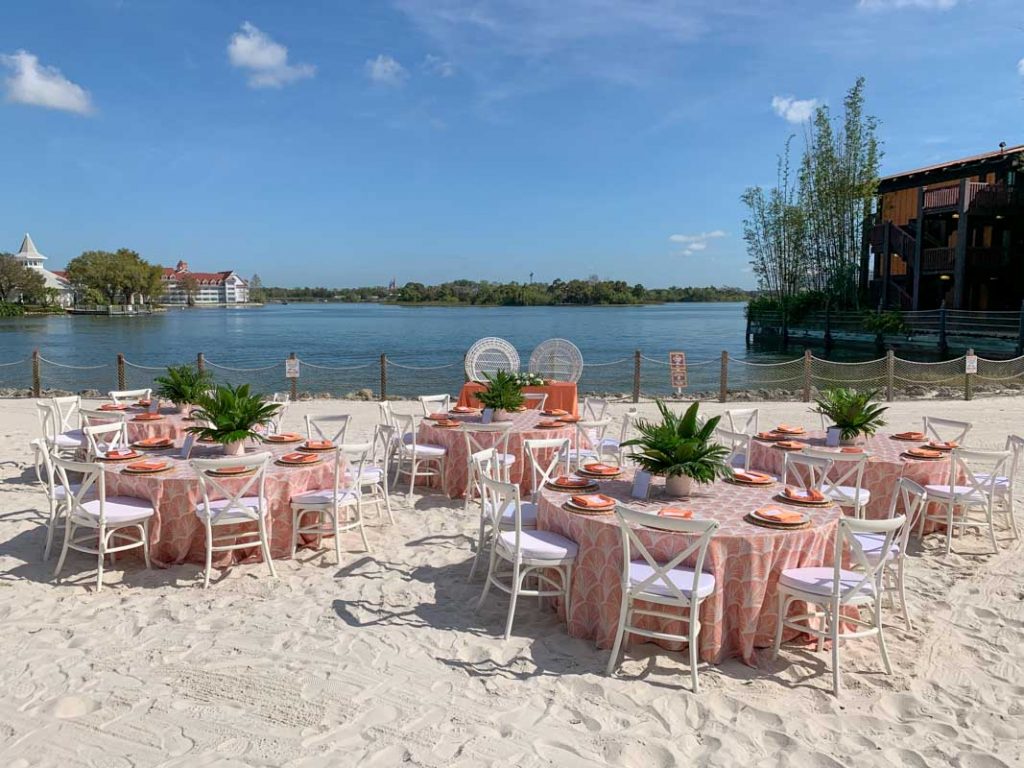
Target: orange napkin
point(231, 470)
point(569, 482)
point(438, 416)
point(751, 477)
point(113, 407)
point(284, 437)
point(152, 442)
point(924, 453)
point(146, 466)
point(786, 429)
point(779, 515)
point(940, 445)
point(910, 435)
point(446, 422)
point(147, 417)
point(593, 501)
point(549, 424)
point(144, 403)
point(851, 449)
point(679, 512)
point(803, 494)
point(298, 457)
point(120, 453)
point(791, 444)
point(568, 419)
point(463, 409)
point(601, 469)
point(555, 412)
point(319, 444)
point(767, 435)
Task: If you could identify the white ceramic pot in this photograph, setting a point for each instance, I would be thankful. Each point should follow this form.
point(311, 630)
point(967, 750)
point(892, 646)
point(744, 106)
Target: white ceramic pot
point(236, 448)
point(500, 414)
point(185, 409)
point(678, 485)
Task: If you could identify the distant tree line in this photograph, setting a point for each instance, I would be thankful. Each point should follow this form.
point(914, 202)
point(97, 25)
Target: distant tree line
point(483, 293)
point(119, 277)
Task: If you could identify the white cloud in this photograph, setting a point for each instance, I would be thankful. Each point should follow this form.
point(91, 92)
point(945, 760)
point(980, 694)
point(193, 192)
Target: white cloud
point(696, 243)
point(936, 5)
point(266, 61)
point(794, 110)
point(384, 70)
point(41, 86)
point(1020, 67)
point(438, 65)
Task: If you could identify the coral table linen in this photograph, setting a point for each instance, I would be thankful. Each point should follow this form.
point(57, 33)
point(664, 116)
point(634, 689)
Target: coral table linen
point(746, 560)
point(524, 427)
point(561, 394)
point(171, 424)
point(884, 468)
point(177, 535)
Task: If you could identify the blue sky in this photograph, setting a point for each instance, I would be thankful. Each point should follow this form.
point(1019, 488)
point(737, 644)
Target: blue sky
point(343, 143)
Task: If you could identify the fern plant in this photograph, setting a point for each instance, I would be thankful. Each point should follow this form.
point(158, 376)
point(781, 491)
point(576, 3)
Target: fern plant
point(852, 411)
point(231, 414)
point(679, 446)
point(502, 392)
point(183, 384)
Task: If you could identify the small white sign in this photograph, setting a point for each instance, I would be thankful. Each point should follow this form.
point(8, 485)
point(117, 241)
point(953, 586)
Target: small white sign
point(641, 484)
point(291, 368)
point(186, 446)
point(972, 364)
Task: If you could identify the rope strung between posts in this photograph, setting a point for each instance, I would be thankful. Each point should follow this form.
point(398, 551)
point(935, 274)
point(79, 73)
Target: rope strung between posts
point(16, 362)
point(421, 367)
point(75, 367)
point(603, 365)
point(145, 367)
point(243, 370)
point(338, 368)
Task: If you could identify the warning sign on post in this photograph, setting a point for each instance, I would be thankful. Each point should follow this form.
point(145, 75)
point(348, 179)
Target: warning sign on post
point(971, 364)
point(291, 368)
point(677, 369)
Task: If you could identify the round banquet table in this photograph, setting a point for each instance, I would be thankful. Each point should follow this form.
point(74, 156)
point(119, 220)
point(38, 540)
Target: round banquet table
point(885, 466)
point(746, 560)
point(524, 427)
point(170, 424)
point(177, 535)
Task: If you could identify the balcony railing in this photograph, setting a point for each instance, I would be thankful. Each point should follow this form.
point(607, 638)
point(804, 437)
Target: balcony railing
point(986, 195)
point(937, 260)
point(943, 197)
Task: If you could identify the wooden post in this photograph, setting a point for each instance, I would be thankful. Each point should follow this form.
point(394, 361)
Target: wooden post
point(636, 376)
point(968, 380)
point(723, 378)
point(120, 371)
point(383, 377)
point(918, 247)
point(943, 345)
point(37, 378)
point(295, 382)
point(807, 375)
point(890, 374)
point(1020, 331)
point(960, 257)
point(200, 362)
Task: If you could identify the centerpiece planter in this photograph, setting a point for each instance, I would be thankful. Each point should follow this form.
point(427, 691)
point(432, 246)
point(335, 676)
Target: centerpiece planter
point(183, 385)
point(230, 416)
point(236, 448)
point(853, 414)
point(500, 414)
point(678, 485)
point(502, 394)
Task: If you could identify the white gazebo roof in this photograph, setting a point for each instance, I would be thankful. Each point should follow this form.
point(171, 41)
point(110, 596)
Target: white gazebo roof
point(28, 249)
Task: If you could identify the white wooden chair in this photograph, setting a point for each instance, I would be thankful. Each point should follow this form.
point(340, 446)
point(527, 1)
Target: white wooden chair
point(803, 471)
point(946, 430)
point(742, 420)
point(587, 443)
point(333, 429)
point(327, 504)
point(612, 446)
point(738, 444)
point(130, 396)
point(594, 408)
point(56, 494)
point(92, 417)
point(416, 459)
point(238, 507)
point(372, 481)
point(541, 470)
point(479, 437)
point(101, 439)
point(844, 483)
point(1005, 484)
point(484, 463)
point(275, 424)
point(435, 404)
point(676, 589)
point(536, 554)
point(536, 400)
point(972, 486)
point(106, 521)
point(61, 424)
point(833, 588)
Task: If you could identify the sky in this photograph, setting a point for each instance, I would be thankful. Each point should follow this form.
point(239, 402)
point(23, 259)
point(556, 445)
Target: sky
point(346, 143)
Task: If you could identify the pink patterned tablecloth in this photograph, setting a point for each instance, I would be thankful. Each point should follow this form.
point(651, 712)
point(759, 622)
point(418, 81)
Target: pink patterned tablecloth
point(524, 427)
point(746, 560)
point(177, 535)
point(170, 424)
point(884, 469)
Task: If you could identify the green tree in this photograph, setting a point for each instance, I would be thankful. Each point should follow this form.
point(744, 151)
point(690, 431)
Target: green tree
point(189, 283)
point(18, 279)
point(256, 290)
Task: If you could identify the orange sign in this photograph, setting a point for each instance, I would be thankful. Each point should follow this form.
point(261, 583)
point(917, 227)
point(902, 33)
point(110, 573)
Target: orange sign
point(677, 369)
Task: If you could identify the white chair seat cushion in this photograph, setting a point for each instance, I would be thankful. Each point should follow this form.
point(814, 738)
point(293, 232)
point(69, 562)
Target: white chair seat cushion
point(539, 545)
point(609, 443)
point(370, 475)
point(236, 515)
point(739, 461)
point(117, 509)
point(1001, 486)
point(426, 449)
point(872, 545)
point(818, 581)
point(528, 515)
point(961, 492)
point(59, 494)
point(325, 498)
point(681, 577)
point(848, 495)
point(506, 458)
point(73, 439)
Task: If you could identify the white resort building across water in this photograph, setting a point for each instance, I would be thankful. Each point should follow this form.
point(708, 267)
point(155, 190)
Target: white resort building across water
point(30, 257)
point(181, 284)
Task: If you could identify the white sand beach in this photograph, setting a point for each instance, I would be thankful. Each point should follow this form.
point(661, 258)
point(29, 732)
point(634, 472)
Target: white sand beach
point(384, 660)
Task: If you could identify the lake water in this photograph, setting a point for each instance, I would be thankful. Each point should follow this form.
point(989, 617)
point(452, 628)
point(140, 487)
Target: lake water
point(348, 339)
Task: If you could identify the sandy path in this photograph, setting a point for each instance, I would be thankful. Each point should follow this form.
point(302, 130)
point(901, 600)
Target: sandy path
point(383, 660)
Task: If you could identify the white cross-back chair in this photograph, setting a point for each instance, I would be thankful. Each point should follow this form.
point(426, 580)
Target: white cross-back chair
point(130, 396)
point(244, 502)
point(536, 554)
point(844, 483)
point(548, 457)
point(97, 524)
point(805, 471)
point(103, 438)
point(387, 414)
point(946, 430)
point(60, 423)
point(971, 488)
point(1005, 484)
point(56, 495)
point(94, 416)
point(275, 423)
point(333, 429)
point(676, 589)
point(327, 505)
point(828, 590)
point(479, 437)
point(372, 481)
point(742, 420)
point(738, 444)
point(280, 397)
point(484, 463)
point(587, 442)
point(435, 404)
point(612, 446)
point(594, 408)
point(416, 459)
point(535, 400)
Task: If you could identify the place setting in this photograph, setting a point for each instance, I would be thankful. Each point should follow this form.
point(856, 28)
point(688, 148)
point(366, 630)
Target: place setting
point(779, 518)
point(298, 459)
point(232, 471)
point(147, 417)
point(599, 470)
point(316, 446)
point(807, 497)
point(572, 484)
point(924, 454)
point(147, 467)
point(283, 438)
point(154, 444)
point(591, 504)
point(748, 477)
point(119, 454)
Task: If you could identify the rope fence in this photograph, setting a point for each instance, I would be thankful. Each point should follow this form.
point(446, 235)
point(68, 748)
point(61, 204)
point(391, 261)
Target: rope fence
point(636, 378)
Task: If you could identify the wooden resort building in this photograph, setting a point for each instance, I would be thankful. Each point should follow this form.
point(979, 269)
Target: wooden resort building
point(950, 234)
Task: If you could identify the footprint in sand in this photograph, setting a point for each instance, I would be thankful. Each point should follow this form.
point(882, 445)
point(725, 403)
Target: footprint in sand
point(67, 707)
